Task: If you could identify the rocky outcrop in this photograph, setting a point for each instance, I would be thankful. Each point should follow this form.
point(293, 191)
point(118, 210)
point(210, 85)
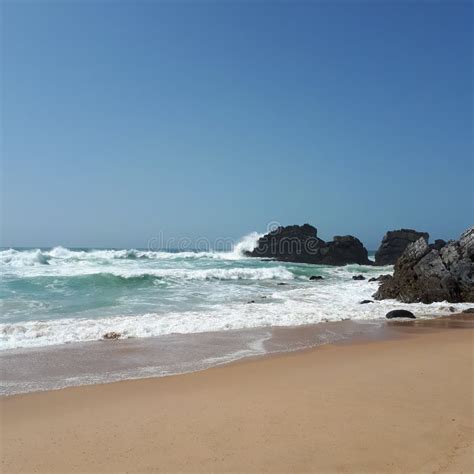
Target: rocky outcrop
point(425, 274)
point(343, 250)
point(394, 244)
point(301, 244)
point(380, 278)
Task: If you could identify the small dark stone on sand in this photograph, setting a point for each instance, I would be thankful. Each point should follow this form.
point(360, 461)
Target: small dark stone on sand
point(111, 335)
point(400, 313)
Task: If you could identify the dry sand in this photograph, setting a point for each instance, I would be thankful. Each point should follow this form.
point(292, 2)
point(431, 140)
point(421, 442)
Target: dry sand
point(397, 405)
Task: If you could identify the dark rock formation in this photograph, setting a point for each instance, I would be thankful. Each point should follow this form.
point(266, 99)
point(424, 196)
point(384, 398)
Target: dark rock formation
point(343, 250)
point(394, 244)
point(366, 302)
point(424, 274)
point(469, 310)
point(111, 335)
point(400, 313)
point(438, 244)
point(358, 277)
point(301, 244)
point(381, 278)
point(316, 277)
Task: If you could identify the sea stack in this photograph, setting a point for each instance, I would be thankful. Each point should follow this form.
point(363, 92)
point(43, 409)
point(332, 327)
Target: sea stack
point(301, 244)
point(394, 244)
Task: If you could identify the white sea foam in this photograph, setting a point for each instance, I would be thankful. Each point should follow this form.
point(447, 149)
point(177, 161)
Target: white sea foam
point(288, 307)
point(16, 258)
point(129, 263)
point(246, 244)
point(213, 274)
point(278, 272)
point(63, 256)
point(62, 296)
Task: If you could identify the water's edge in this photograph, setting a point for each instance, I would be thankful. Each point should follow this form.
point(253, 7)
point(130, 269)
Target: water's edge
point(51, 368)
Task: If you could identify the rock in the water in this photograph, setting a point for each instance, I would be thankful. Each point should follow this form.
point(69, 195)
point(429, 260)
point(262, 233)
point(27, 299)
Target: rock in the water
point(343, 250)
point(366, 302)
point(358, 277)
point(394, 244)
point(400, 313)
point(301, 244)
point(469, 310)
point(111, 335)
point(381, 278)
point(424, 274)
point(316, 277)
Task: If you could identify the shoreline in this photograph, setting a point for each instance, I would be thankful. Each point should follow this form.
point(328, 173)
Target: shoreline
point(30, 370)
point(396, 404)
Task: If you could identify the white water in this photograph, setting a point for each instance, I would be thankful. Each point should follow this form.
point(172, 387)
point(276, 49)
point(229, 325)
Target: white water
point(59, 296)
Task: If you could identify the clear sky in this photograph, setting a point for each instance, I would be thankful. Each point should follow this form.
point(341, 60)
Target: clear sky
point(121, 120)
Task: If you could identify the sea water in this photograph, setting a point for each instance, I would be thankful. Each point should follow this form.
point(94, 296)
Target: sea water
point(58, 296)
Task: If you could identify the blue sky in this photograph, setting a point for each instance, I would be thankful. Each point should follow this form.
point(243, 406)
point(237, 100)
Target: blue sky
point(125, 120)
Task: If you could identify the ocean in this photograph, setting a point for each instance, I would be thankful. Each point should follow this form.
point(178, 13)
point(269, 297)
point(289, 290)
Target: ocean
point(63, 299)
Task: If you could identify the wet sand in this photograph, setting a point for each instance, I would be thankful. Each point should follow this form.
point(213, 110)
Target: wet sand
point(402, 403)
point(51, 367)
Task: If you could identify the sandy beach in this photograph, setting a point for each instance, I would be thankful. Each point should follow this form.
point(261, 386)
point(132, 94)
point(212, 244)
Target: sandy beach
point(237, 237)
point(404, 404)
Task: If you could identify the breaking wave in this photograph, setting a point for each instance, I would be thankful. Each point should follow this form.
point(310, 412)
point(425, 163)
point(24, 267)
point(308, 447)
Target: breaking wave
point(246, 244)
point(60, 295)
point(60, 255)
point(294, 308)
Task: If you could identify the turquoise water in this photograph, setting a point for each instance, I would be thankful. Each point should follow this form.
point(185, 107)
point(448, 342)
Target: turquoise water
point(57, 296)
